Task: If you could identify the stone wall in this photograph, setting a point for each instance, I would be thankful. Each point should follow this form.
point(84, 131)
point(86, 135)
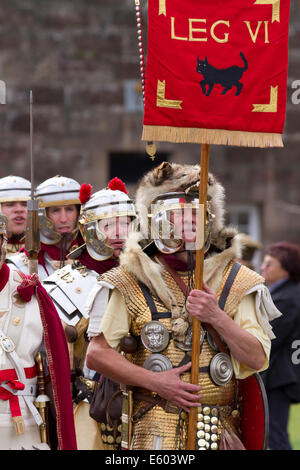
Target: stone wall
point(74, 55)
point(77, 57)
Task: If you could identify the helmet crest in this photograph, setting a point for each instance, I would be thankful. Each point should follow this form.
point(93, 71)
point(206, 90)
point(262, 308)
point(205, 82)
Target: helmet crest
point(116, 184)
point(85, 192)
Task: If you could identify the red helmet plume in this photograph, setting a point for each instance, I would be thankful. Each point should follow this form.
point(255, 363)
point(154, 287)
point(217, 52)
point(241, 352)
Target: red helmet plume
point(85, 193)
point(117, 185)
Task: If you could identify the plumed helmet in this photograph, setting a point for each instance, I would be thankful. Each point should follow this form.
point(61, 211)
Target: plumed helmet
point(55, 191)
point(107, 203)
point(172, 184)
point(14, 188)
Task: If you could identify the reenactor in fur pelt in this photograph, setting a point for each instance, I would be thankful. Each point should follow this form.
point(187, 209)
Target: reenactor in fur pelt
point(150, 314)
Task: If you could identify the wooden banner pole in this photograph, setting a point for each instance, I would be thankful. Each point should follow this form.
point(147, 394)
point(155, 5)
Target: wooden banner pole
point(199, 267)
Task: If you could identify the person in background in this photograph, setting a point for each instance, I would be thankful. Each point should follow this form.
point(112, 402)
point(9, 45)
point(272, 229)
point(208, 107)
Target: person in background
point(281, 270)
point(14, 194)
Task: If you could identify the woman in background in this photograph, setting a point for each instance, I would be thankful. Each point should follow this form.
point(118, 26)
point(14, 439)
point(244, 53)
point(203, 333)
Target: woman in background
point(281, 270)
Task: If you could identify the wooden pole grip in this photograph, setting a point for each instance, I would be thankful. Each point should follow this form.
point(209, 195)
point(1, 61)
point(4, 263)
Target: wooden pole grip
point(199, 267)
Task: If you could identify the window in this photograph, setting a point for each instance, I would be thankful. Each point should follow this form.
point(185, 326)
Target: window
point(131, 166)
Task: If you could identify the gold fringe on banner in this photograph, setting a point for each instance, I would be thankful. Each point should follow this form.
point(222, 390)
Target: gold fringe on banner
point(211, 136)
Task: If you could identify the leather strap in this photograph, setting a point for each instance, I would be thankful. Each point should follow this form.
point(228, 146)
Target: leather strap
point(148, 298)
point(109, 404)
point(222, 347)
point(222, 299)
point(228, 284)
point(151, 304)
point(174, 274)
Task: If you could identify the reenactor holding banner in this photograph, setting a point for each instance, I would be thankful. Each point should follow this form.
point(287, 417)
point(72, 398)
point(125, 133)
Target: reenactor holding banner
point(152, 304)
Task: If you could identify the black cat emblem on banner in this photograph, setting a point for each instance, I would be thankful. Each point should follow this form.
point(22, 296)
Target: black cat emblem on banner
point(228, 77)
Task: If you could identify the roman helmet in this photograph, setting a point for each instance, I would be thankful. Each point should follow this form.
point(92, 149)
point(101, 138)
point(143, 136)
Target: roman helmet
point(107, 203)
point(170, 187)
point(14, 188)
point(55, 191)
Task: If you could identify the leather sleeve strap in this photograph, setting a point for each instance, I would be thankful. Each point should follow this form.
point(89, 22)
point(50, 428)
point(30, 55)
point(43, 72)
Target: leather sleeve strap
point(228, 284)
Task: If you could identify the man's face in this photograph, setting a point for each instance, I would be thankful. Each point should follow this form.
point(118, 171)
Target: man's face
point(184, 221)
point(64, 218)
point(272, 270)
point(16, 213)
point(116, 230)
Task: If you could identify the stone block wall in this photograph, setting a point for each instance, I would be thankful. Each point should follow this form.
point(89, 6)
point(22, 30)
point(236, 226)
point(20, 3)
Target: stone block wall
point(77, 56)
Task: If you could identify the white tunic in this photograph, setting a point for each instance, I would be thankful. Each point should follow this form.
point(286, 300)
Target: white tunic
point(21, 322)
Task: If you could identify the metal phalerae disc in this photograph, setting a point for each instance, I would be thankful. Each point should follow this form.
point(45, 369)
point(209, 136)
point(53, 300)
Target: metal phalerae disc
point(221, 369)
point(157, 363)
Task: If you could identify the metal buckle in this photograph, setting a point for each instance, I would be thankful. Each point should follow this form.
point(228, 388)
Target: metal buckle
point(90, 384)
point(7, 344)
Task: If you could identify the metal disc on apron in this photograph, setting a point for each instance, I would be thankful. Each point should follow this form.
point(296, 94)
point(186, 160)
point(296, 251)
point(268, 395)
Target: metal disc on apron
point(186, 345)
point(157, 363)
point(155, 336)
point(221, 369)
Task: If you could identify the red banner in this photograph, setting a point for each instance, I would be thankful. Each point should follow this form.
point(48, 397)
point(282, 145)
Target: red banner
point(217, 71)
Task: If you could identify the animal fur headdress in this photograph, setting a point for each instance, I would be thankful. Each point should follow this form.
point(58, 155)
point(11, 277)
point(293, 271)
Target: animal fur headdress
point(173, 177)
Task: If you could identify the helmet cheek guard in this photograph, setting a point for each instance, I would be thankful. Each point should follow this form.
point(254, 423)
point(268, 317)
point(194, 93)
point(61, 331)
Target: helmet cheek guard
point(95, 242)
point(47, 233)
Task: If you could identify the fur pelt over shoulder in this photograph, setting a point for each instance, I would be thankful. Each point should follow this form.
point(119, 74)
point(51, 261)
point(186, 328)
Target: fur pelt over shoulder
point(174, 177)
point(147, 270)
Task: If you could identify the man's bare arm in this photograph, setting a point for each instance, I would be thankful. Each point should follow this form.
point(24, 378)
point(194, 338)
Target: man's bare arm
point(245, 347)
point(104, 359)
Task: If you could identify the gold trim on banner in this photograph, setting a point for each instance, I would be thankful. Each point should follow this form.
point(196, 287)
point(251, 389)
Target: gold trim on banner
point(275, 8)
point(270, 107)
point(161, 102)
point(211, 136)
point(162, 7)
